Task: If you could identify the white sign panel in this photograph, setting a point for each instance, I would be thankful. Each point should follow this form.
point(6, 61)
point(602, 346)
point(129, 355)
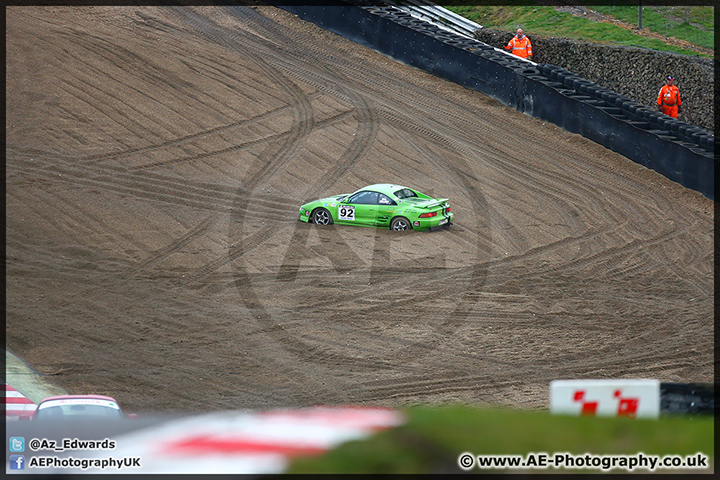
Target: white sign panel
point(606, 398)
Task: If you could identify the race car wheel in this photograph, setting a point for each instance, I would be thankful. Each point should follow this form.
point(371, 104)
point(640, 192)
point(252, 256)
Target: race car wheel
point(399, 224)
point(322, 217)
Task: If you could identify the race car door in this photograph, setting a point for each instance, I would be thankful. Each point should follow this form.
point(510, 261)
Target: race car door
point(359, 209)
point(387, 208)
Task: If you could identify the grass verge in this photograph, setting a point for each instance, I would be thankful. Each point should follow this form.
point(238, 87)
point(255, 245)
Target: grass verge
point(546, 21)
point(433, 438)
point(694, 24)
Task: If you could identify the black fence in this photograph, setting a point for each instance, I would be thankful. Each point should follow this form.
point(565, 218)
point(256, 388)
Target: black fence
point(680, 151)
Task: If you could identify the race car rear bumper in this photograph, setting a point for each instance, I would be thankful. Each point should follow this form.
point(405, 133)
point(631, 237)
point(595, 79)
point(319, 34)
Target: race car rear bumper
point(439, 227)
point(423, 224)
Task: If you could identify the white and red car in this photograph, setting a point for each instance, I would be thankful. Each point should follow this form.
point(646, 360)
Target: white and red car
point(69, 407)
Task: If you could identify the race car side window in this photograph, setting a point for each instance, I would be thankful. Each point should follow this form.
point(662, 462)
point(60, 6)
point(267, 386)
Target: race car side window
point(405, 193)
point(364, 198)
point(385, 200)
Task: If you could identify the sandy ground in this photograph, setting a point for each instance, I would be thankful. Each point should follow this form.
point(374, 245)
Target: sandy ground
point(156, 160)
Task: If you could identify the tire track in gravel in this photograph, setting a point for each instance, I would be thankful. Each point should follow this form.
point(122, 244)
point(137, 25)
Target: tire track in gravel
point(277, 137)
point(412, 387)
point(112, 183)
point(275, 156)
point(507, 373)
point(414, 96)
point(605, 228)
point(109, 52)
point(73, 217)
point(556, 196)
point(198, 231)
point(531, 182)
point(446, 285)
point(367, 132)
point(560, 195)
point(271, 160)
point(184, 139)
point(210, 203)
point(162, 189)
point(149, 72)
point(557, 187)
point(561, 184)
point(367, 117)
point(189, 139)
point(565, 185)
point(90, 100)
point(368, 127)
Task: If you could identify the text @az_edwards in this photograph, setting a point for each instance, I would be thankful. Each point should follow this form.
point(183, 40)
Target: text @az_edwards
point(38, 444)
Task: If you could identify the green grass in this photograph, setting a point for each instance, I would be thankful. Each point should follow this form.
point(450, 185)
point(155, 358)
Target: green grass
point(548, 22)
point(433, 437)
point(671, 21)
point(658, 19)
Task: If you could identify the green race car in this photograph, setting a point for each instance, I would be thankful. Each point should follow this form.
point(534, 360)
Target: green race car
point(380, 205)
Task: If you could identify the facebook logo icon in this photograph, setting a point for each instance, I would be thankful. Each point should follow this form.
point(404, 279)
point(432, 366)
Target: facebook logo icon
point(17, 462)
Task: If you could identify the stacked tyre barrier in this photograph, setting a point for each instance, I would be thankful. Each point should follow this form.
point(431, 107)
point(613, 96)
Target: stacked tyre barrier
point(687, 398)
point(682, 152)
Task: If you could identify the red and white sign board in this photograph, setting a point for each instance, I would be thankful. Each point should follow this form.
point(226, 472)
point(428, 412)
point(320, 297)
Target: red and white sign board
point(606, 398)
point(17, 405)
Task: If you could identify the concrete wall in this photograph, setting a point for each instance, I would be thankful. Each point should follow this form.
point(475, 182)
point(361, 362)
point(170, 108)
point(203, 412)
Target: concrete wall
point(636, 73)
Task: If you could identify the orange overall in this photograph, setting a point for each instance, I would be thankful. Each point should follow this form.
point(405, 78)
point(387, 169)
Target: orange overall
point(520, 46)
point(669, 100)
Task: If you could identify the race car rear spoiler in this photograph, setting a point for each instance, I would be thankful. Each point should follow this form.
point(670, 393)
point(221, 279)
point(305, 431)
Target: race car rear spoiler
point(432, 204)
